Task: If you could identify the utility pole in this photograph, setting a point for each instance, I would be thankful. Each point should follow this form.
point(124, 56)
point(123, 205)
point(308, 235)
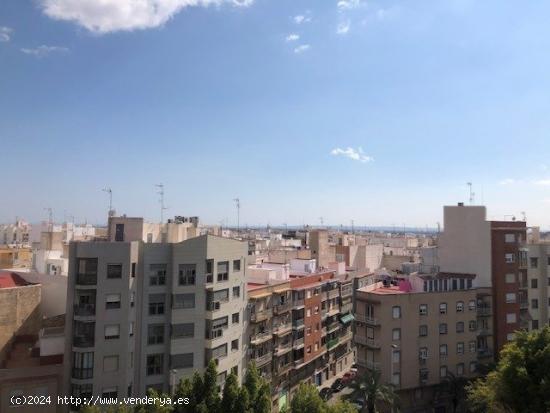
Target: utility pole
point(238, 205)
point(162, 207)
point(110, 192)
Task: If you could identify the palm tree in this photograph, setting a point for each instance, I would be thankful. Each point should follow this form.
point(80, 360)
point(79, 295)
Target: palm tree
point(454, 388)
point(370, 388)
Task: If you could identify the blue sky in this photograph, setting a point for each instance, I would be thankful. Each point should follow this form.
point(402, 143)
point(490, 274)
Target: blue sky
point(377, 111)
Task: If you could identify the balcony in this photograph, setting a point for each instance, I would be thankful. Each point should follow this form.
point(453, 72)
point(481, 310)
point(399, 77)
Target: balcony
point(298, 362)
point(284, 368)
point(333, 311)
point(298, 323)
point(262, 360)
point(260, 338)
point(299, 303)
point(86, 279)
point(282, 308)
point(369, 342)
point(332, 343)
point(298, 342)
point(524, 305)
point(262, 315)
point(281, 329)
point(367, 320)
point(335, 293)
point(283, 348)
point(83, 341)
point(482, 331)
point(333, 326)
point(484, 353)
point(84, 310)
point(346, 292)
point(484, 311)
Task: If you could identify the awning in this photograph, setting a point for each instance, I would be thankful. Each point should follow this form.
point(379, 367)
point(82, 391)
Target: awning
point(348, 318)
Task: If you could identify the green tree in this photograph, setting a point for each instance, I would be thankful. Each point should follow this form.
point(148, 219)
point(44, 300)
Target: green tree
point(370, 388)
point(455, 389)
point(157, 407)
point(230, 394)
point(211, 391)
point(183, 390)
point(307, 400)
point(262, 404)
point(242, 405)
point(342, 406)
point(521, 381)
point(252, 382)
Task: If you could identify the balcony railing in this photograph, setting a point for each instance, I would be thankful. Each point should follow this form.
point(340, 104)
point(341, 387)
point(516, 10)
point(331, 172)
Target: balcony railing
point(86, 279)
point(346, 292)
point(482, 331)
point(262, 360)
point(369, 342)
point(484, 352)
point(83, 341)
point(332, 343)
point(283, 348)
point(299, 302)
point(333, 326)
point(282, 308)
point(483, 311)
point(262, 315)
point(282, 328)
point(333, 311)
point(260, 337)
point(334, 293)
point(298, 323)
point(84, 309)
point(298, 361)
point(298, 342)
point(524, 305)
point(367, 320)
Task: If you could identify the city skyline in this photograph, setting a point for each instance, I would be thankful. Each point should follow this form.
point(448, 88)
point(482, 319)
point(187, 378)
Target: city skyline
point(379, 112)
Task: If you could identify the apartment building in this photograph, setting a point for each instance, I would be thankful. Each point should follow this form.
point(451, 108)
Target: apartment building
point(538, 283)
point(492, 250)
point(146, 314)
point(420, 330)
point(299, 324)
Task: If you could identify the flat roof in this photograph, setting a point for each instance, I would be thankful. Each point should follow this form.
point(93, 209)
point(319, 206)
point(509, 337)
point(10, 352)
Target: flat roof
point(10, 279)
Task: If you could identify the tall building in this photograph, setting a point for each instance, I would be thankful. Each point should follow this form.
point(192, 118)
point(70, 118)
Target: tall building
point(145, 314)
point(417, 332)
point(538, 282)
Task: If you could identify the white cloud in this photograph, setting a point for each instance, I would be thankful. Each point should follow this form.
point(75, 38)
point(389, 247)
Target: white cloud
point(354, 154)
point(299, 19)
point(508, 181)
point(43, 51)
point(5, 33)
point(343, 28)
point(302, 48)
point(104, 16)
point(542, 182)
point(292, 37)
point(349, 4)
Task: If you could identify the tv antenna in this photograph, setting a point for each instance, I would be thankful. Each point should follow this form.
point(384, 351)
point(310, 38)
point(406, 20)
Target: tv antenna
point(472, 194)
point(110, 192)
point(238, 205)
point(162, 207)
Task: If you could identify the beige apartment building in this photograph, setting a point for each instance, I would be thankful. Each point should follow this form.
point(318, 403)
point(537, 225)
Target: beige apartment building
point(538, 283)
point(417, 332)
point(146, 314)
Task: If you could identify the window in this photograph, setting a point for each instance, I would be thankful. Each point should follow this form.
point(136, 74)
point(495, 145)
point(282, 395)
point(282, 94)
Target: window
point(443, 371)
point(87, 271)
point(157, 274)
point(473, 366)
point(534, 262)
point(472, 325)
point(534, 303)
point(509, 238)
point(534, 283)
point(370, 333)
point(209, 271)
point(183, 330)
point(181, 361)
point(155, 364)
point(510, 278)
point(423, 309)
point(472, 305)
point(460, 369)
point(396, 312)
point(114, 270)
point(460, 327)
point(131, 329)
point(308, 349)
point(110, 364)
point(215, 298)
point(186, 274)
point(183, 301)
point(133, 271)
point(223, 271)
point(156, 304)
point(510, 297)
point(119, 232)
point(112, 331)
point(443, 308)
point(235, 345)
point(460, 347)
point(236, 265)
point(235, 318)
point(236, 292)
point(308, 331)
point(132, 298)
point(83, 365)
point(535, 324)
point(219, 352)
point(155, 334)
point(396, 356)
point(423, 331)
point(510, 258)
point(472, 346)
point(443, 349)
point(459, 306)
point(396, 334)
point(442, 328)
point(112, 301)
point(396, 379)
point(109, 393)
point(511, 318)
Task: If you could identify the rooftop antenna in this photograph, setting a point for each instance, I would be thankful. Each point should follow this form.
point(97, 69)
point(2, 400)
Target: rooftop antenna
point(162, 207)
point(352, 227)
point(110, 192)
point(50, 219)
point(238, 205)
point(321, 221)
point(472, 194)
point(524, 216)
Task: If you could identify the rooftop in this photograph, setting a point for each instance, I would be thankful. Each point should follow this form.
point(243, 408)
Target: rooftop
point(10, 279)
